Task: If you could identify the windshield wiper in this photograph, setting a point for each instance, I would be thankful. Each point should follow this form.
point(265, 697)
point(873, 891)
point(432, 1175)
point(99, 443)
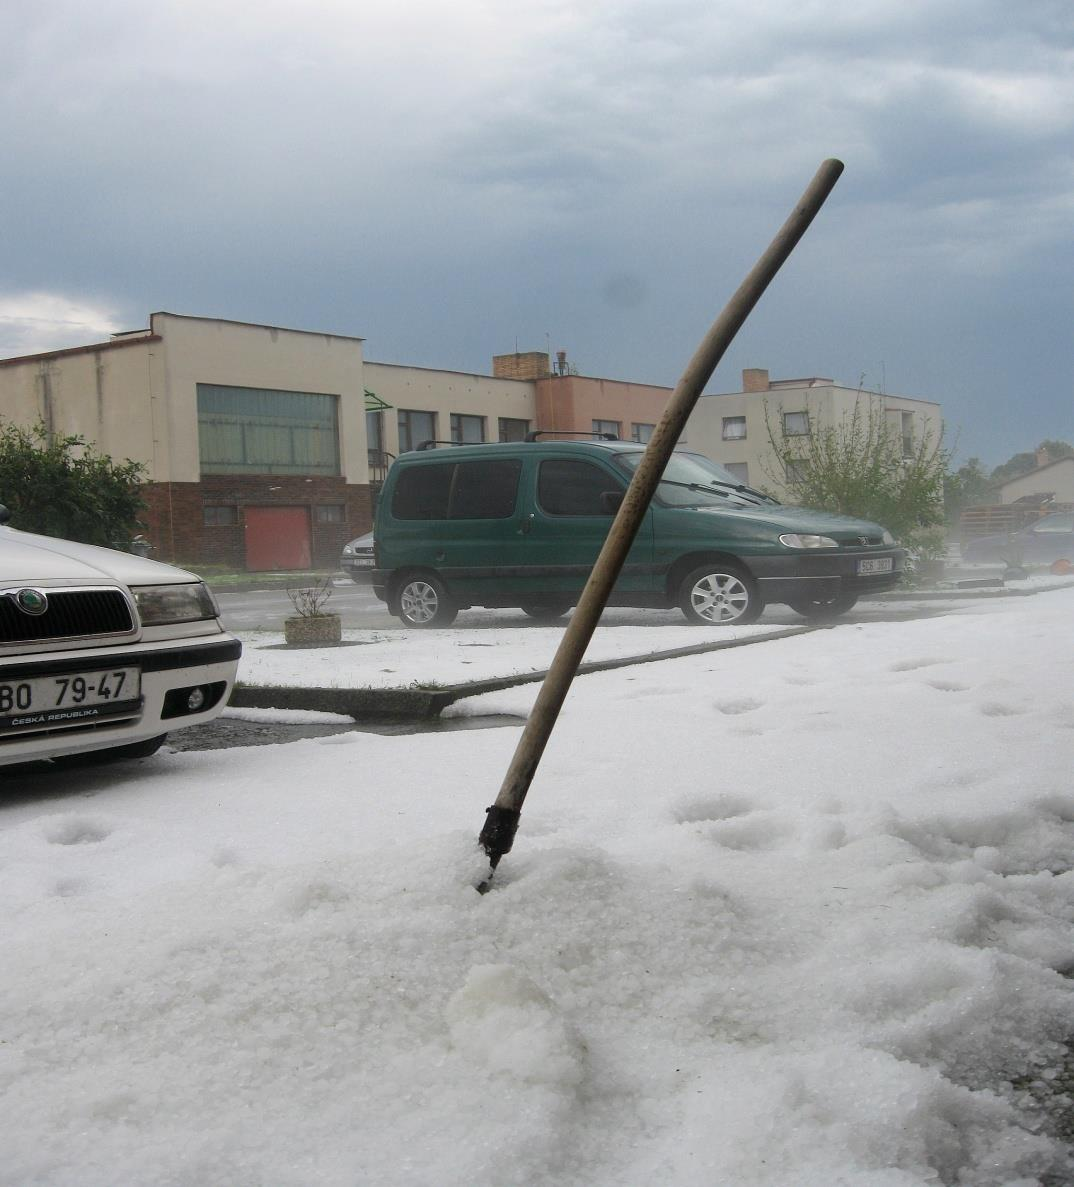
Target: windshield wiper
point(742, 488)
point(706, 487)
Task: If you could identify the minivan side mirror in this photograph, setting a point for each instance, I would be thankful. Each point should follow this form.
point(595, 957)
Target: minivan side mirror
point(5, 514)
point(611, 501)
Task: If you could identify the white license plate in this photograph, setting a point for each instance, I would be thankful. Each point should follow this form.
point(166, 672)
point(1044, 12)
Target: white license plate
point(879, 564)
point(360, 562)
point(74, 696)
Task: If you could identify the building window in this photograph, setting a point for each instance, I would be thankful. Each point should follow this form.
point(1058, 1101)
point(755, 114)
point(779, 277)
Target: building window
point(220, 517)
point(610, 427)
point(467, 430)
point(907, 434)
point(739, 470)
point(414, 428)
point(797, 470)
point(734, 428)
point(796, 424)
point(641, 433)
point(253, 430)
point(329, 513)
point(374, 437)
point(513, 429)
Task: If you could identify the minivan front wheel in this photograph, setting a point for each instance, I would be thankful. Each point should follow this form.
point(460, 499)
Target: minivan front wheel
point(719, 595)
point(424, 602)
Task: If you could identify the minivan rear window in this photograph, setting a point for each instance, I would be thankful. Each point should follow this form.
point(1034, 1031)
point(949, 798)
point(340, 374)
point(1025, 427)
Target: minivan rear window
point(457, 490)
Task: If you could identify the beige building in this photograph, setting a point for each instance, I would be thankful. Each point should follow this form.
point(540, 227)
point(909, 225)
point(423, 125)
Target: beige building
point(253, 437)
point(265, 447)
point(737, 429)
point(408, 405)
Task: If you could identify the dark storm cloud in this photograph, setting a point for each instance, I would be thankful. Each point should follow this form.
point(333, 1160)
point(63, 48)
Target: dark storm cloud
point(446, 180)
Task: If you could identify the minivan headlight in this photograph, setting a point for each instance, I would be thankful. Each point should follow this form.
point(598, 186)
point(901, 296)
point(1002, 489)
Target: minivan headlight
point(887, 537)
point(796, 540)
point(161, 604)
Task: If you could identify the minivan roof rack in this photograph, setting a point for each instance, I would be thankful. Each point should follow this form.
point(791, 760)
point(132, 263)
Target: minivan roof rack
point(533, 434)
point(431, 444)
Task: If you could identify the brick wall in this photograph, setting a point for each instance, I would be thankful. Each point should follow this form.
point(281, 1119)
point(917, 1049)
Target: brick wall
point(531, 365)
point(177, 530)
point(755, 379)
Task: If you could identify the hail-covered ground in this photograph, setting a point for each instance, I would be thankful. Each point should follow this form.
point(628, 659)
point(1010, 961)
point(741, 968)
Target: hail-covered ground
point(793, 913)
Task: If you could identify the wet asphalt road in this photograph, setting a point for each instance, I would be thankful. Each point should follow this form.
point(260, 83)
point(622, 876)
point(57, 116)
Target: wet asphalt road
point(266, 609)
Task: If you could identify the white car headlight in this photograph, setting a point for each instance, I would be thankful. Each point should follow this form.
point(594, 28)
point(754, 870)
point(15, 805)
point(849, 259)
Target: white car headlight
point(795, 540)
point(348, 550)
point(161, 604)
point(887, 537)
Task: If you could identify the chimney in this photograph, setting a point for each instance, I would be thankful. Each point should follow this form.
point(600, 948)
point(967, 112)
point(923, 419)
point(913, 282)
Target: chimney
point(754, 379)
point(1043, 457)
point(533, 364)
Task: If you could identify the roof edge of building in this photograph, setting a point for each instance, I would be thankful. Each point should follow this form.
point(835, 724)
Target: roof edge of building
point(90, 348)
point(252, 325)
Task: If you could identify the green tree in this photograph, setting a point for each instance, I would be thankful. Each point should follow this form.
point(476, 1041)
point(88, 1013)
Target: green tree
point(968, 486)
point(860, 466)
point(1025, 463)
point(62, 486)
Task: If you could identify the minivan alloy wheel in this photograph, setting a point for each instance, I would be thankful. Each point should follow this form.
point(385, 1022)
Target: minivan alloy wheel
point(423, 602)
point(719, 595)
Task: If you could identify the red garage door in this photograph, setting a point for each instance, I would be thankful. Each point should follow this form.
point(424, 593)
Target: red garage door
point(277, 538)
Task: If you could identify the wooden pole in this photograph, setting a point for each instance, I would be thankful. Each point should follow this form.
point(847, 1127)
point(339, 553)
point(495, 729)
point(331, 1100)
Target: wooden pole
point(502, 818)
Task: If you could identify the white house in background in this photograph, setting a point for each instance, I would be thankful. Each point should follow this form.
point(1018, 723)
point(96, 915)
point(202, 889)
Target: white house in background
point(734, 429)
point(1051, 481)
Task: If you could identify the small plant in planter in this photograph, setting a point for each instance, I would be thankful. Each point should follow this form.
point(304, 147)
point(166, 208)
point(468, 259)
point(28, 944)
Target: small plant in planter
point(312, 625)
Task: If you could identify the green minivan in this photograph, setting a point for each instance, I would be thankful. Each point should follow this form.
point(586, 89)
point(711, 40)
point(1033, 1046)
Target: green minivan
point(521, 524)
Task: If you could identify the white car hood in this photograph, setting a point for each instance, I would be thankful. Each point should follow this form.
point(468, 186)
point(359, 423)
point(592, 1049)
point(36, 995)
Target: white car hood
point(32, 559)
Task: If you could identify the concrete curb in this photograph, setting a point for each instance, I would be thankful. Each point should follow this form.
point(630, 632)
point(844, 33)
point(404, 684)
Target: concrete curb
point(958, 595)
point(420, 704)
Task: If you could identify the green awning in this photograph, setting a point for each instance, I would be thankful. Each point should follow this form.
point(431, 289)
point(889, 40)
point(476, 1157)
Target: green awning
point(373, 402)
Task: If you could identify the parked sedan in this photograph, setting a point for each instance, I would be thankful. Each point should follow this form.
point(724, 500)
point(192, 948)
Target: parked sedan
point(1049, 539)
point(357, 559)
point(102, 653)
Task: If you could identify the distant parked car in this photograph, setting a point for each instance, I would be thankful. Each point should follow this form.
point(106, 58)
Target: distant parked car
point(102, 653)
point(357, 559)
point(1049, 539)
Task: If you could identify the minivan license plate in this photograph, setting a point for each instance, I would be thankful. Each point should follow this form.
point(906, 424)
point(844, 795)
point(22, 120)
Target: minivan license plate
point(879, 564)
point(42, 700)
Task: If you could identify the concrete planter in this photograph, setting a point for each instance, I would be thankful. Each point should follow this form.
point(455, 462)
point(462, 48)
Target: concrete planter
point(318, 630)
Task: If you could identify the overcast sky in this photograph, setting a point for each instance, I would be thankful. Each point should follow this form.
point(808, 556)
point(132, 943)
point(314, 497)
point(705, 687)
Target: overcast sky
point(454, 180)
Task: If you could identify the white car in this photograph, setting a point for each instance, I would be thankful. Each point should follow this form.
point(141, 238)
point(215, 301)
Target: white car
point(102, 653)
point(358, 559)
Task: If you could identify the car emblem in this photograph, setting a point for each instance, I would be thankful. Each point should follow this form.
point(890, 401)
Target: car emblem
point(863, 540)
point(30, 601)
